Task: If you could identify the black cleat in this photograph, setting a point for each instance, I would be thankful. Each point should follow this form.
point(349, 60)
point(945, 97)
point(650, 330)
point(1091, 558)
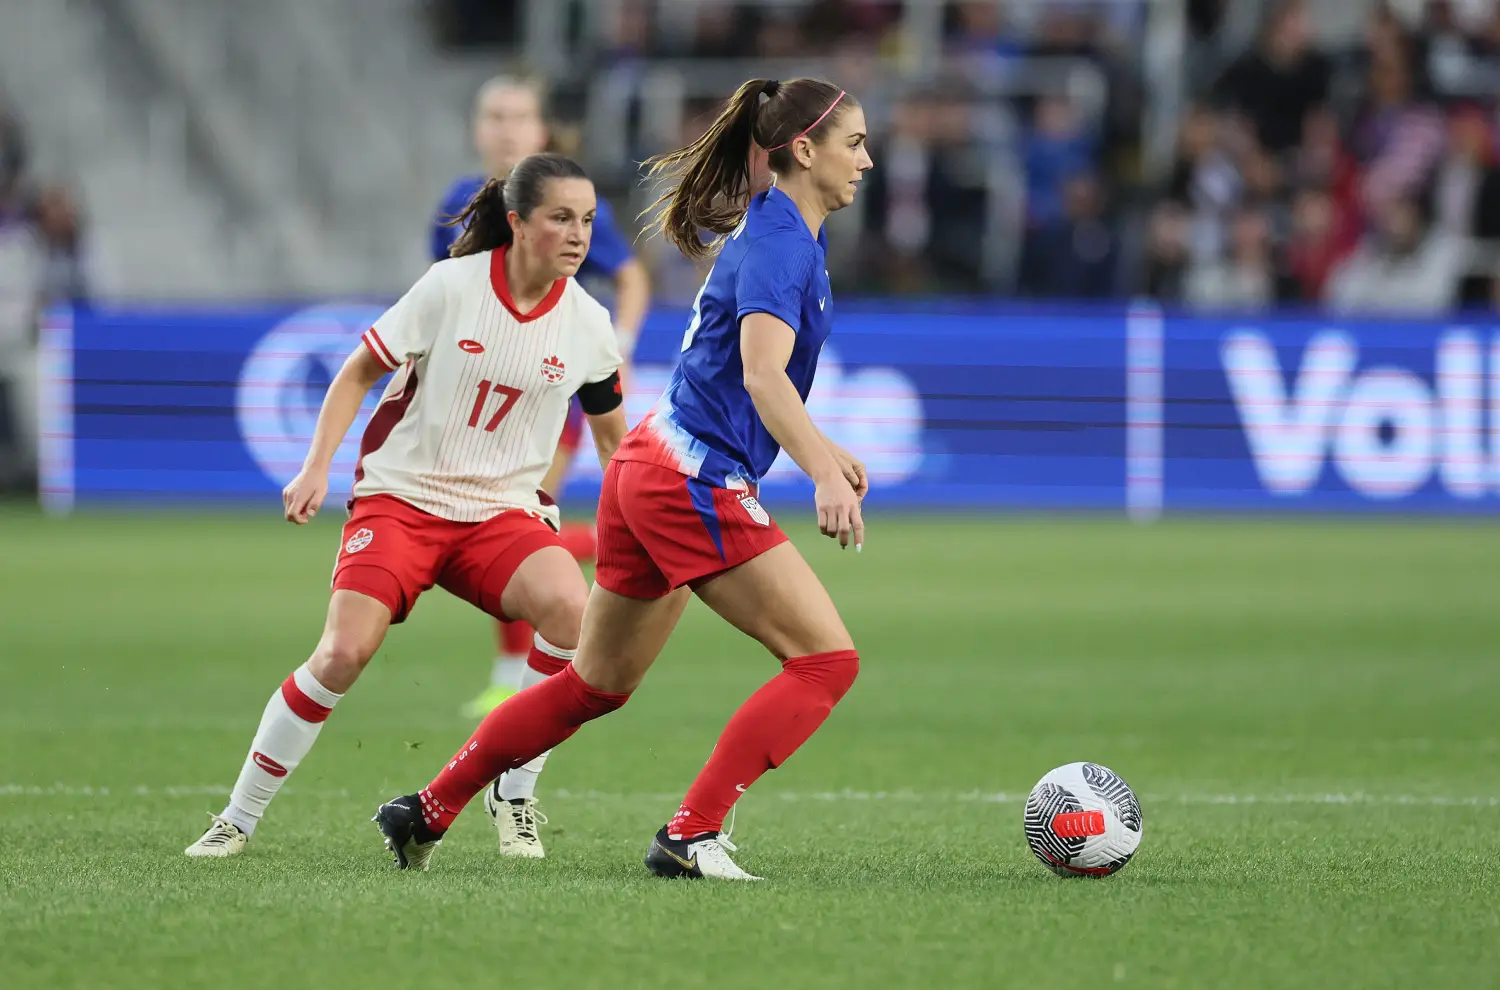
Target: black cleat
point(406, 834)
point(700, 856)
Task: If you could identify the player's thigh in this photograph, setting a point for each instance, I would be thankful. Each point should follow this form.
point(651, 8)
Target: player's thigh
point(622, 637)
point(353, 630)
point(391, 552)
point(547, 590)
point(482, 565)
point(776, 598)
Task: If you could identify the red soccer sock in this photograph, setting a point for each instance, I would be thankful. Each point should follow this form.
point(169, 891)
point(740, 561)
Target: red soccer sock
point(765, 731)
point(523, 728)
point(515, 638)
point(580, 540)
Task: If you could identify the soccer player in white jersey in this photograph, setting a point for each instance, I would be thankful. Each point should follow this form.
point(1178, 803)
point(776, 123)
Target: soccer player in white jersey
point(488, 349)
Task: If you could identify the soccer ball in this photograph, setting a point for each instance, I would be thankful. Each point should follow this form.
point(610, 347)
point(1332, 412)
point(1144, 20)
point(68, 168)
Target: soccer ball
point(1083, 820)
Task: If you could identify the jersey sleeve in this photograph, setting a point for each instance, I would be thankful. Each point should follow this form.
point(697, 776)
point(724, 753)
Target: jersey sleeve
point(609, 248)
point(408, 329)
point(607, 359)
point(775, 277)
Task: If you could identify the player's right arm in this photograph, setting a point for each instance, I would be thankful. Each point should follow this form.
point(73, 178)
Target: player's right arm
point(304, 495)
point(404, 332)
point(765, 348)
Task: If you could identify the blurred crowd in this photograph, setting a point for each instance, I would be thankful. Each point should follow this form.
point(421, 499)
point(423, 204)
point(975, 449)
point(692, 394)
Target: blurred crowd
point(1363, 180)
point(40, 263)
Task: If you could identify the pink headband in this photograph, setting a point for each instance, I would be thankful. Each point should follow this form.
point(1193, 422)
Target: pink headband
point(809, 127)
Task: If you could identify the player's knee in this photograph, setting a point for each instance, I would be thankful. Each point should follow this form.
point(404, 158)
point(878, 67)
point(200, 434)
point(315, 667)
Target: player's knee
point(832, 672)
point(339, 660)
point(559, 616)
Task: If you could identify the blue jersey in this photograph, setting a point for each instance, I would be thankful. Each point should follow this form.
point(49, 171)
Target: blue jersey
point(609, 249)
point(704, 424)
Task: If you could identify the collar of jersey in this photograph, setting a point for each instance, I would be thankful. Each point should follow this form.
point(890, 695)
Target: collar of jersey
point(777, 200)
point(502, 290)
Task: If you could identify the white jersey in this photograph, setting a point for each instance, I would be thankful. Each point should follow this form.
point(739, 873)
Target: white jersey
point(468, 425)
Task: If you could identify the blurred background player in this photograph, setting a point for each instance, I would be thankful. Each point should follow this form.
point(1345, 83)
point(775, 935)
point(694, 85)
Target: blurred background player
point(678, 508)
point(446, 491)
point(509, 124)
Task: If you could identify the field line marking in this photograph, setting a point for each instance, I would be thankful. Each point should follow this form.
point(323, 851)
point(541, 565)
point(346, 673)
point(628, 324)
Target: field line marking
point(1360, 798)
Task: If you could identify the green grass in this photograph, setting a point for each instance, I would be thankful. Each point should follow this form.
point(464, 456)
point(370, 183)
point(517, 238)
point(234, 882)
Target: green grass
point(1338, 681)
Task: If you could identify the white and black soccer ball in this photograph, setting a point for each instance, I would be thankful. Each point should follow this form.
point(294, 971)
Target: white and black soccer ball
point(1083, 820)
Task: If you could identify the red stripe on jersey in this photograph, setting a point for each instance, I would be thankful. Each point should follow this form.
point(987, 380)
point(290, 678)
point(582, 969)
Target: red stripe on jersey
point(377, 347)
point(387, 415)
point(502, 290)
point(301, 705)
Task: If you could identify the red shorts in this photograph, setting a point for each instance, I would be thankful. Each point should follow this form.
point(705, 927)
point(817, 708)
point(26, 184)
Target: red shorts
point(659, 530)
point(393, 551)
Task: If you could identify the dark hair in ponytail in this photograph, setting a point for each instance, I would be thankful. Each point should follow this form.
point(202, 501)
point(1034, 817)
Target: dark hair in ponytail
point(485, 221)
point(712, 187)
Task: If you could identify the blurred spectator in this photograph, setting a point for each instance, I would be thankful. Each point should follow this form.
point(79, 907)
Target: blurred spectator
point(1277, 82)
point(62, 258)
point(1205, 180)
point(1057, 148)
point(18, 306)
point(926, 201)
point(1467, 190)
point(1246, 278)
point(1167, 251)
point(1399, 138)
point(1075, 254)
point(1315, 247)
point(1401, 267)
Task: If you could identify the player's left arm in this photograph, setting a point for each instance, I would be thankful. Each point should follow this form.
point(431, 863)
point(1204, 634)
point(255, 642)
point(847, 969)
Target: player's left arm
point(632, 300)
point(603, 403)
point(609, 251)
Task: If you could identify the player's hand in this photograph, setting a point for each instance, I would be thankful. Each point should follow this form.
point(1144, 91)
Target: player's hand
point(838, 512)
point(853, 470)
point(303, 496)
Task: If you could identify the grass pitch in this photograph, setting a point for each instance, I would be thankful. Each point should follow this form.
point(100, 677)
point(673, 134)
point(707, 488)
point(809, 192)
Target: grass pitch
point(1307, 709)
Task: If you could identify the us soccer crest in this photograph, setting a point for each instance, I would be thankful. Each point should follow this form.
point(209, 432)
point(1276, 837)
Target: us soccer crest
point(755, 510)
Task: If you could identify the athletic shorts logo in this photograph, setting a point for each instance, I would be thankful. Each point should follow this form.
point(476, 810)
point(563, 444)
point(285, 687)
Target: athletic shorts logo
point(754, 510)
point(472, 346)
point(269, 765)
point(359, 541)
point(552, 369)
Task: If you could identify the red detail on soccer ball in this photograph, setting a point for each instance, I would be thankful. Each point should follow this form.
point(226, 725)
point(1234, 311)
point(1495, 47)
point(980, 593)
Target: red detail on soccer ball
point(269, 765)
point(472, 346)
point(1078, 824)
point(552, 369)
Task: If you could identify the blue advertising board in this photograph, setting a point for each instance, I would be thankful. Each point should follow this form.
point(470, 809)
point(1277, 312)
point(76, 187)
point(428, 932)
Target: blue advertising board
point(951, 405)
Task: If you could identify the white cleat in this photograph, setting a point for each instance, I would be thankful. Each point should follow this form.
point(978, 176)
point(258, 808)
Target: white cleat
point(699, 857)
point(516, 824)
point(223, 838)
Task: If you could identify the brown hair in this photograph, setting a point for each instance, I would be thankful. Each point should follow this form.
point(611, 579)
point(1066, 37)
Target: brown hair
point(712, 175)
point(485, 221)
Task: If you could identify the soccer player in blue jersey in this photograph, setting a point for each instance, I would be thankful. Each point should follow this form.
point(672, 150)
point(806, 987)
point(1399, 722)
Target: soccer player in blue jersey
point(509, 125)
point(678, 512)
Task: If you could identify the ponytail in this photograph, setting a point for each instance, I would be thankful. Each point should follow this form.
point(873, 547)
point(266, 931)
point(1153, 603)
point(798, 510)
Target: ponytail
point(483, 222)
point(711, 176)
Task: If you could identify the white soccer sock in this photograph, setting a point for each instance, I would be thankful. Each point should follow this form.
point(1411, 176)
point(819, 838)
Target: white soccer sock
point(509, 671)
point(521, 782)
point(288, 728)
